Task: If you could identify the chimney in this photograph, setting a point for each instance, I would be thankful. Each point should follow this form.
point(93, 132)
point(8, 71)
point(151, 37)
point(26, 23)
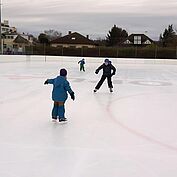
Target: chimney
point(87, 36)
point(69, 32)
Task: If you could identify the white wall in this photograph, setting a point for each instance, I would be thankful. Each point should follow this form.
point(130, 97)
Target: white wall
point(22, 58)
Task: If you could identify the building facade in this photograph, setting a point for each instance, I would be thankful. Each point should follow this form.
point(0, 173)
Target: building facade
point(6, 28)
point(138, 40)
point(73, 40)
point(13, 42)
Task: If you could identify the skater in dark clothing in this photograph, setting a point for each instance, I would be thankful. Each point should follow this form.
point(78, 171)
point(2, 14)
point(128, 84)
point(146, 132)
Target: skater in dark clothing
point(59, 95)
point(82, 63)
point(108, 71)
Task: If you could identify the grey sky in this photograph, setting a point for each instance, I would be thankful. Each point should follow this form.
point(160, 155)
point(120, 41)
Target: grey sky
point(93, 17)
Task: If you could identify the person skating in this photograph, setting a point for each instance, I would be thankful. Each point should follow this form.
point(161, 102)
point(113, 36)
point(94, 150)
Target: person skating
point(59, 95)
point(82, 63)
point(108, 71)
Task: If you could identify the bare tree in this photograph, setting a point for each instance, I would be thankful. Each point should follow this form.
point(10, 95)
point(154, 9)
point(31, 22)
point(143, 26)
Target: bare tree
point(52, 34)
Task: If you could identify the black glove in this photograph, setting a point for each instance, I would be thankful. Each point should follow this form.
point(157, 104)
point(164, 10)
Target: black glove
point(46, 82)
point(112, 74)
point(72, 96)
point(96, 72)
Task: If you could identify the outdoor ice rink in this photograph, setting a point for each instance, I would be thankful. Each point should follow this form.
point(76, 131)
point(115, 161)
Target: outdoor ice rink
point(131, 132)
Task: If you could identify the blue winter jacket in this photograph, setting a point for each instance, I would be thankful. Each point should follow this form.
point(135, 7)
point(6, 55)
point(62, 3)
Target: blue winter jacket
point(82, 62)
point(60, 88)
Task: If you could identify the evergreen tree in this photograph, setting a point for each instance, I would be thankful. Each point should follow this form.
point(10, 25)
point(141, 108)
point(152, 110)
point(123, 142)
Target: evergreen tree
point(43, 39)
point(168, 36)
point(116, 36)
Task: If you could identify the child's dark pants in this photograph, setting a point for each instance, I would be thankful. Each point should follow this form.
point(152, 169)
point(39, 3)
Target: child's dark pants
point(102, 80)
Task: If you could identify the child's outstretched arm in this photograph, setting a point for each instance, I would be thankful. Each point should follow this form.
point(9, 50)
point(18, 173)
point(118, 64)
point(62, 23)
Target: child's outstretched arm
point(98, 69)
point(49, 81)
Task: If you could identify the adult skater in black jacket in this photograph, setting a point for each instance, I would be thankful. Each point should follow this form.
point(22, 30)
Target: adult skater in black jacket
point(108, 71)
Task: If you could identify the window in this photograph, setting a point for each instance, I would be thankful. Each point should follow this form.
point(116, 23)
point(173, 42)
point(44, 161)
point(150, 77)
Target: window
point(14, 46)
point(147, 42)
point(5, 46)
point(73, 38)
point(127, 42)
point(137, 39)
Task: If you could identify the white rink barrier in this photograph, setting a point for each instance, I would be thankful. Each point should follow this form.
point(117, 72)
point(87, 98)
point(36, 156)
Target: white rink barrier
point(39, 58)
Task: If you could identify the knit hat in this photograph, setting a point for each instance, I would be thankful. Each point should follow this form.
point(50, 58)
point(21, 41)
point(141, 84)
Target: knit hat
point(106, 60)
point(63, 72)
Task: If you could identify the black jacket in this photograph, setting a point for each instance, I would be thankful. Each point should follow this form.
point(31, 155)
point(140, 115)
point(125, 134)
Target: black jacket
point(107, 70)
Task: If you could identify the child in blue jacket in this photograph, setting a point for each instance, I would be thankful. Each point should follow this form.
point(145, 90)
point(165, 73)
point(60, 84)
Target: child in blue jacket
point(82, 63)
point(59, 95)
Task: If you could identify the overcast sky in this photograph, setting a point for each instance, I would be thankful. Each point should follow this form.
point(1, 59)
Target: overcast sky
point(92, 17)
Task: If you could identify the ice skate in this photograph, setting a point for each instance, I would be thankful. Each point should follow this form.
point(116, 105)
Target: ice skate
point(95, 90)
point(62, 120)
point(110, 89)
point(54, 120)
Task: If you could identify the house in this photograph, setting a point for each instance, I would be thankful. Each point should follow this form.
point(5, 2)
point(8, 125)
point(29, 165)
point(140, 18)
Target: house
point(14, 43)
point(6, 28)
point(138, 40)
point(73, 40)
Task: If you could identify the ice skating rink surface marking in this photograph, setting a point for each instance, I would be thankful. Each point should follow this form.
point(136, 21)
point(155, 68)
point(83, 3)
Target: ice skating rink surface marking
point(136, 132)
point(130, 132)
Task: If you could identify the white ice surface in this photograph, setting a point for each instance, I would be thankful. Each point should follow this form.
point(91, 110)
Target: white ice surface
point(131, 132)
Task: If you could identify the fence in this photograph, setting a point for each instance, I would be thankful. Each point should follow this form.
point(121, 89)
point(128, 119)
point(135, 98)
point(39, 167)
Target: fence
point(111, 52)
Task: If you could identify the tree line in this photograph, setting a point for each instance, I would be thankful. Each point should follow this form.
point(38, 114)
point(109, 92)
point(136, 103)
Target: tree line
point(115, 37)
